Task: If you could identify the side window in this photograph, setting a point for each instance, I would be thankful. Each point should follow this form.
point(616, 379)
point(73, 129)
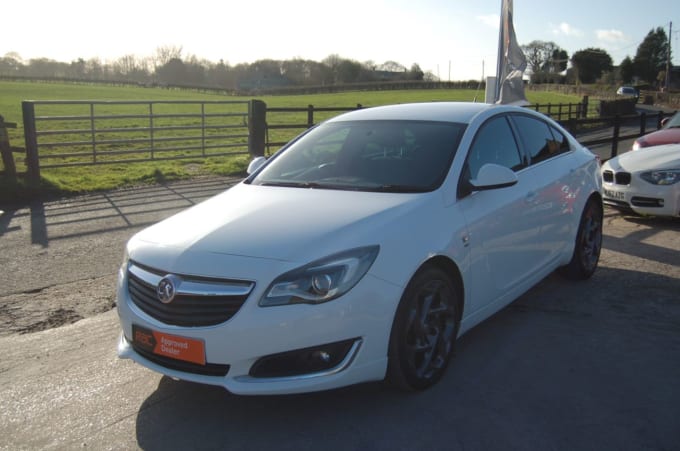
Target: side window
point(561, 139)
point(494, 143)
point(538, 139)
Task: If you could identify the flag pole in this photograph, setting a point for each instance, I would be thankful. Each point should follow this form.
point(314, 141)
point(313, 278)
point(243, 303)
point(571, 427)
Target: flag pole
point(499, 64)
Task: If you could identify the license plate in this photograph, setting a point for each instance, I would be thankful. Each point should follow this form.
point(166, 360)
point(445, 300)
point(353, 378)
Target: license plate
point(616, 195)
point(167, 345)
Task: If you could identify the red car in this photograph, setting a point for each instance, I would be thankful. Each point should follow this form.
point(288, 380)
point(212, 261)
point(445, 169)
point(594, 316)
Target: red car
point(668, 134)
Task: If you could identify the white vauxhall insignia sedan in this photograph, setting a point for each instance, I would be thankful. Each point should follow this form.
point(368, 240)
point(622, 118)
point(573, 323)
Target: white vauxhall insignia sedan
point(361, 250)
point(646, 181)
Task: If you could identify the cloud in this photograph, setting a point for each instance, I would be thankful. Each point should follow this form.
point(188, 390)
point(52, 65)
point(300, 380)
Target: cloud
point(611, 36)
point(564, 29)
point(490, 20)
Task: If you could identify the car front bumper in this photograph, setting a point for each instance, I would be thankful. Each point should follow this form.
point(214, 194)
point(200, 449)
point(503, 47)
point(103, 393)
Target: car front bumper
point(360, 321)
point(643, 198)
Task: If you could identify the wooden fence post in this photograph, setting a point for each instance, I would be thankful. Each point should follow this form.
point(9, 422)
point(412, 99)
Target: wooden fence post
point(310, 116)
point(571, 125)
point(31, 140)
point(257, 127)
point(615, 138)
point(6, 149)
point(584, 107)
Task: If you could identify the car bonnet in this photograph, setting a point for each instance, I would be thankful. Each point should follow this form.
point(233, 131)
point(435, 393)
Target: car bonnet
point(665, 136)
point(277, 223)
point(648, 158)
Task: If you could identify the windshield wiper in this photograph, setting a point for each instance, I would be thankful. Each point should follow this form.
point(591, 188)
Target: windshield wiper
point(399, 189)
point(289, 184)
point(387, 188)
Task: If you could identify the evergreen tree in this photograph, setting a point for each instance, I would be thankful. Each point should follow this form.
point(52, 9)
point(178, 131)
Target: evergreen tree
point(651, 55)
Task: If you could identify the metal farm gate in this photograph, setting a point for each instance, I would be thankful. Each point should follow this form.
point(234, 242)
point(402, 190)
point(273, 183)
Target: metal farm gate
point(63, 133)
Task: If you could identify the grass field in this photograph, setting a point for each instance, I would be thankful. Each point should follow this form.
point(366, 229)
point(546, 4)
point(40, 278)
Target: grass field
point(100, 177)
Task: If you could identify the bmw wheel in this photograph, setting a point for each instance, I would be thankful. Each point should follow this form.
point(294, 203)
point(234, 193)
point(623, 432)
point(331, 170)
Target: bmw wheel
point(424, 330)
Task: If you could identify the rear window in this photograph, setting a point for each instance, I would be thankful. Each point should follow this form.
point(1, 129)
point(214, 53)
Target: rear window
point(540, 140)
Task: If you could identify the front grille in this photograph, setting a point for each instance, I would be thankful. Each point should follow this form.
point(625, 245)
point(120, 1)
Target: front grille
point(620, 178)
point(199, 301)
point(209, 369)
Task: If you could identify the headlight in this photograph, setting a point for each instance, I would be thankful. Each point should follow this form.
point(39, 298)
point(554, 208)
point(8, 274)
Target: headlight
point(662, 177)
point(322, 280)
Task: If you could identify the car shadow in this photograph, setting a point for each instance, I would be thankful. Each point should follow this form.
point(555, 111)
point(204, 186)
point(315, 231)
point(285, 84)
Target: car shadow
point(654, 221)
point(548, 372)
point(637, 242)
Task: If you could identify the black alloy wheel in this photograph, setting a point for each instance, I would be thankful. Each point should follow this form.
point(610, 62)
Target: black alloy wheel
point(424, 330)
point(588, 243)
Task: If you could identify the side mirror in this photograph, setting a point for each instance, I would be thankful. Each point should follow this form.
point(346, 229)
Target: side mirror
point(493, 176)
point(664, 121)
point(255, 164)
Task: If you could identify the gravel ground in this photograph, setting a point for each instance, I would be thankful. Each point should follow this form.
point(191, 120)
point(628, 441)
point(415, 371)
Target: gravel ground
point(60, 257)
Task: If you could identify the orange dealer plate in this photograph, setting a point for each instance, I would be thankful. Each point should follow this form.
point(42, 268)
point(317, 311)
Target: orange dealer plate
point(172, 346)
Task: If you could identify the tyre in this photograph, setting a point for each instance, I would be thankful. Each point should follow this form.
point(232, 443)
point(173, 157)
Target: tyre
point(588, 243)
point(424, 330)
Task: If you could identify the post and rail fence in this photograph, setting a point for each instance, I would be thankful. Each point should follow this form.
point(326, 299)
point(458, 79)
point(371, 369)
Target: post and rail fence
point(76, 133)
point(304, 118)
point(7, 150)
point(637, 126)
point(559, 112)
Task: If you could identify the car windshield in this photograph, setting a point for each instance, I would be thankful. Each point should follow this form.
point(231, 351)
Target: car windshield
point(673, 122)
point(391, 156)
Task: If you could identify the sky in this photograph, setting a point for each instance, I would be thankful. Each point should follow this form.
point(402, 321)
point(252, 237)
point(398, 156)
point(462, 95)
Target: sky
point(454, 39)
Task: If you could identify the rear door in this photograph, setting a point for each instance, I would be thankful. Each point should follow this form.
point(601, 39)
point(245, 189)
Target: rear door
point(504, 235)
point(552, 168)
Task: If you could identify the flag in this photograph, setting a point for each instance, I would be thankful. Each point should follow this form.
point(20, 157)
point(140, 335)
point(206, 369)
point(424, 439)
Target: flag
point(511, 62)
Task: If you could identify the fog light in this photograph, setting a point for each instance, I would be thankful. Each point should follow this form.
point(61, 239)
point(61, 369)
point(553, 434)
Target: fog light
point(322, 356)
point(302, 361)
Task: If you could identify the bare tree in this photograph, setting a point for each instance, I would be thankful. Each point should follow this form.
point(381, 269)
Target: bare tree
point(166, 53)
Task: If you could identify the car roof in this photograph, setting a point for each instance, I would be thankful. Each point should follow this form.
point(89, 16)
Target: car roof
point(461, 112)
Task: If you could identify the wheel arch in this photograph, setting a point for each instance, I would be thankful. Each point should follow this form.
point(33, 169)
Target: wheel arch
point(597, 196)
point(594, 196)
point(451, 268)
